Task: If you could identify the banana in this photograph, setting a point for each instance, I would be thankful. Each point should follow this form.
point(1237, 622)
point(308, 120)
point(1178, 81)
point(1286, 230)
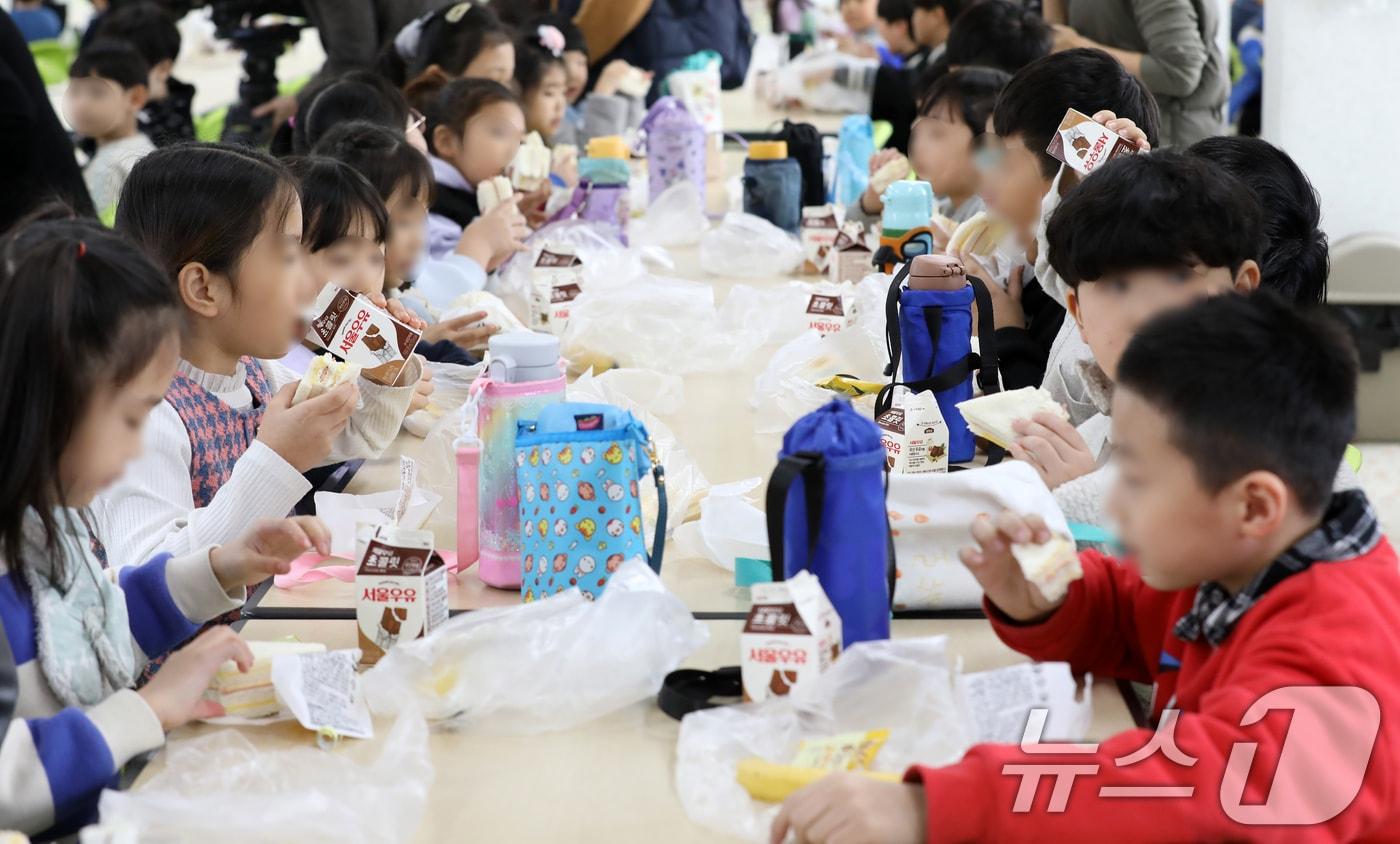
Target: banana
point(764, 780)
point(493, 192)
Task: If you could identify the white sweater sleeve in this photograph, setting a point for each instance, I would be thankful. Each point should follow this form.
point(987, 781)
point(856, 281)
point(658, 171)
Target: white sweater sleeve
point(377, 420)
point(67, 759)
point(1083, 499)
point(151, 509)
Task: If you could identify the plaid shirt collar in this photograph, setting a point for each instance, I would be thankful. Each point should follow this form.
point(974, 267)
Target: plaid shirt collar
point(1349, 529)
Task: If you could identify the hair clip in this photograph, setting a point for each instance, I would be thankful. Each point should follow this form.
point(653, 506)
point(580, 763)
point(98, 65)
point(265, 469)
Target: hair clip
point(82, 249)
point(456, 13)
point(551, 39)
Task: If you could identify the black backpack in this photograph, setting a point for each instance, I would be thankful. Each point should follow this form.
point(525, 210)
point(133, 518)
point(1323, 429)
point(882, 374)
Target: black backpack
point(804, 145)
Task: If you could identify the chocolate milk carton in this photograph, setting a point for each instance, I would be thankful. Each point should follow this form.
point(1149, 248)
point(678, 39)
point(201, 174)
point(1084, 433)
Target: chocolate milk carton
point(850, 256)
point(830, 309)
point(400, 588)
point(914, 434)
point(557, 280)
point(353, 329)
point(792, 633)
point(1086, 145)
point(820, 225)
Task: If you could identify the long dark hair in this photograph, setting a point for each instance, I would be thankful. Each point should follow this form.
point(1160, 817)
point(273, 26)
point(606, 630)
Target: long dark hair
point(80, 308)
point(460, 100)
point(203, 203)
point(450, 37)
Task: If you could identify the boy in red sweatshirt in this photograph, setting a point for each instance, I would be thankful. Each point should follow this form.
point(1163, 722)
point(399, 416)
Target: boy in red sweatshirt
point(1259, 605)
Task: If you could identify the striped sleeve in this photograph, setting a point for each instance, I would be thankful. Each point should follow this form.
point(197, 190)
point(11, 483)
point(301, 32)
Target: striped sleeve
point(52, 770)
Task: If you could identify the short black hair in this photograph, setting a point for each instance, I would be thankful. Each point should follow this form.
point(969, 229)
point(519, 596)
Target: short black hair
point(334, 196)
point(1000, 34)
point(1249, 383)
point(358, 95)
point(1295, 260)
point(968, 91)
point(381, 155)
point(145, 26)
point(114, 60)
point(450, 37)
point(896, 11)
point(1160, 210)
point(951, 8)
point(1035, 101)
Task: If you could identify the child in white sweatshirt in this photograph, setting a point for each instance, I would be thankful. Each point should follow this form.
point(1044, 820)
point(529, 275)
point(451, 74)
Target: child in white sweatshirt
point(91, 340)
point(226, 447)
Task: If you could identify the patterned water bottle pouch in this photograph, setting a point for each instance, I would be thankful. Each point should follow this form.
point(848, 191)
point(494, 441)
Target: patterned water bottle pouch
point(579, 467)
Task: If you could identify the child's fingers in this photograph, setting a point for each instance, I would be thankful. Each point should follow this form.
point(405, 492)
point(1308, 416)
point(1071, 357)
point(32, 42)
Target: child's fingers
point(986, 535)
point(316, 532)
point(205, 708)
point(778, 833)
point(1019, 452)
point(1104, 116)
point(458, 323)
point(1039, 529)
point(1048, 443)
point(283, 398)
point(1043, 453)
point(1013, 527)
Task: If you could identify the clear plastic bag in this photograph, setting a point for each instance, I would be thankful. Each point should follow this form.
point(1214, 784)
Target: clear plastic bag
point(220, 789)
point(747, 246)
point(806, 81)
point(646, 394)
point(933, 714)
point(779, 313)
point(676, 218)
point(593, 244)
point(652, 322)
point(543, 666)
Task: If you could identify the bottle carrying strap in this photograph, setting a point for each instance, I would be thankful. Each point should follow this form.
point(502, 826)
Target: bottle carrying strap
point(571, 208)
point(810, 466)
point(658, 475)
point(691, 690)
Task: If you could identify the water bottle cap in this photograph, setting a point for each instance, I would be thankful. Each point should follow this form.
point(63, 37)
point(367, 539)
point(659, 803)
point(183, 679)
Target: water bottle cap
point(608, 146)
point(530, 356)
point(768, 150)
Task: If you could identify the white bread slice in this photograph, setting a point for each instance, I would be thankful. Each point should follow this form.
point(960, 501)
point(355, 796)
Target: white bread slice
point(531, 165)
point(251, 695)
point(325, 374)
point(978, 235)
point(893, 171)
point(493, 192)
point(636, 83)
point(991, 416)
point(1051, 566)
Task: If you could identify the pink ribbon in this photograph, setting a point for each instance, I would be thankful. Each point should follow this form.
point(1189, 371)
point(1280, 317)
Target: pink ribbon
point(308, 569)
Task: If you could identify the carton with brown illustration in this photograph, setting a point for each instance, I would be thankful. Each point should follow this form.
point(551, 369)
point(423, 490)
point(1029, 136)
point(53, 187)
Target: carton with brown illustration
point(820, 225)
point(914, 434)
point(1085, 145)
point(353, 329)
point(400, 589)
point(792, 634)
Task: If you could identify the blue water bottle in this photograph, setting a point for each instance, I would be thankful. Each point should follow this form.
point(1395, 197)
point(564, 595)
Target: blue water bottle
point(906, 224)
point(826, 514)
point(773, 185)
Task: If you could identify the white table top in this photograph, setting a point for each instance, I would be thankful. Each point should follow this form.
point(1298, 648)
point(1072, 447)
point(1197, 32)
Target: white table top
point(609, 781)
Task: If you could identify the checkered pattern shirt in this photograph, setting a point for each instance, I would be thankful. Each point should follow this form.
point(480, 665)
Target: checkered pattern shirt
point(219, 435)
point(1349, 529)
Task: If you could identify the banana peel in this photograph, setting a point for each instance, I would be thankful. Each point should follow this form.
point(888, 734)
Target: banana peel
point(773, 783)
point(850, 386)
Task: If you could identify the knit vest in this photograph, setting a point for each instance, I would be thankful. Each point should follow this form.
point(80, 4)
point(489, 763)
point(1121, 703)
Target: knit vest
point(458, 205)
point(219, 435)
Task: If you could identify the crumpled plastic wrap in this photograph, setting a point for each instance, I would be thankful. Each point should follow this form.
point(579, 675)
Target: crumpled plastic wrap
point(786, 388)
point(593, 244)
point(548, 665)
point(778, 313)
point(220, 789)
point(748, 246)
point(676, 218)
point(652, 322)
point(907, 686)
point(646, 394)
point(729, 527)
point(796, 83)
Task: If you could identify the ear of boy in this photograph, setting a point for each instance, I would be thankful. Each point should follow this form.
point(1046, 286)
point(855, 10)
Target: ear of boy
point(1268, 519)
point(1248, 276)
point(137, 96)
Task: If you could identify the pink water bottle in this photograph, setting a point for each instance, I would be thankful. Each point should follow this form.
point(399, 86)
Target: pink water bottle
point(468, 473)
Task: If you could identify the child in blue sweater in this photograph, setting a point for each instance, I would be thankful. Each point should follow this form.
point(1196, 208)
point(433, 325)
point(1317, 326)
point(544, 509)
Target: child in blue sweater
point(90, 340)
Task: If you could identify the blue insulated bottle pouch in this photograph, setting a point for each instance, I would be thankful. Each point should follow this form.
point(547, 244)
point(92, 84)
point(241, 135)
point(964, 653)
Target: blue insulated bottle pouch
point(826, 514)
point(929, 332)
point(773, 191)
